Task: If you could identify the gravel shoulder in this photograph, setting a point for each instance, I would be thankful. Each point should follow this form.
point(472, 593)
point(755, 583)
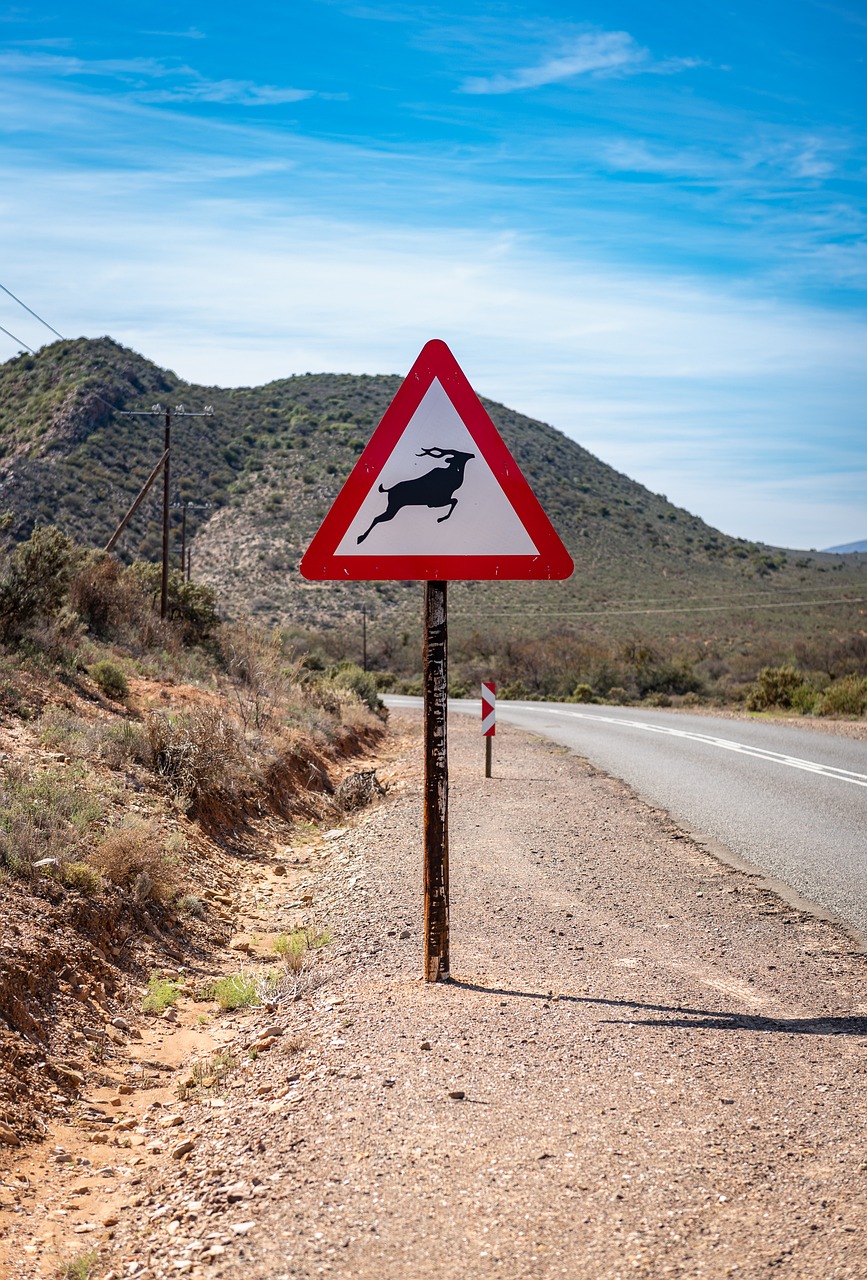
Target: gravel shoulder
point(648, 1064)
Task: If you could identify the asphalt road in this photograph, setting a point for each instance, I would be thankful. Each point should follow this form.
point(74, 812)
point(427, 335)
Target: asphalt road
point(790, 803)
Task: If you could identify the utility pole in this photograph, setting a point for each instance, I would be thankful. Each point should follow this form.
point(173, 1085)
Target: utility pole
point(185, 555)
point(364, 636)
point(164, 463)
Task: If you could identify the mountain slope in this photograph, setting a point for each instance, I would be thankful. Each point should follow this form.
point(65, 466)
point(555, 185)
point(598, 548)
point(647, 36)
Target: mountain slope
point(270, 460)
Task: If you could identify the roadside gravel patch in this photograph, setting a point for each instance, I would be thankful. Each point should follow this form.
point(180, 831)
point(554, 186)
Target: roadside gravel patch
point(648, 1064)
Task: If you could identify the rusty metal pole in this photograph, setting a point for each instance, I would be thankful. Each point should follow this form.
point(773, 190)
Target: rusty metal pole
point(436, 785)
point(164, 583)
point(488, 753)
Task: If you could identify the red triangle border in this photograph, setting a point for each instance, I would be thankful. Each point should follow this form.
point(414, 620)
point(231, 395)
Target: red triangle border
point(320, 563)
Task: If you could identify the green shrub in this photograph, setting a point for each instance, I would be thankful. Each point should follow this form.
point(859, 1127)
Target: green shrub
point(79, 1268)
point(775, 687)
point(161, 994)
point(361, 683)
point(35, 581)
point(618, 695)
point(191, 905)
point(846, 697)
point(235, 991)
point(516, 690)
point(804, 699)
point(582, 693)
point(292, 948)
point(109, 678)
point(81, 875)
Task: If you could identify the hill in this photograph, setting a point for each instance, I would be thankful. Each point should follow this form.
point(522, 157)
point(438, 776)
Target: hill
point(270, 460)
point(849, 547)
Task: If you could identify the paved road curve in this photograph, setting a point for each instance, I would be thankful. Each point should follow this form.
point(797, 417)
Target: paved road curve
point(791, 803)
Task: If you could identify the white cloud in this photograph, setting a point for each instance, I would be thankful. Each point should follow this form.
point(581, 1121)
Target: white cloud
point(701, 393)
point(137, 72)
point(595, 53)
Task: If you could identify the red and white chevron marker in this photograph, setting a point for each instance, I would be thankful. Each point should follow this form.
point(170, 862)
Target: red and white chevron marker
point(489, 708)
point(489, 720)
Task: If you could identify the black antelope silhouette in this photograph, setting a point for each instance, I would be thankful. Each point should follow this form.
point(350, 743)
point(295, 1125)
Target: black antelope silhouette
point(435, 488)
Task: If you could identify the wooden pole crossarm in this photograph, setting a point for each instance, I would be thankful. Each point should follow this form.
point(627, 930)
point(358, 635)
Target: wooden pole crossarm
point(135, 506)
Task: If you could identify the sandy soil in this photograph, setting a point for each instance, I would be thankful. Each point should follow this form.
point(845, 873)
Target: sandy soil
point(647, 1065)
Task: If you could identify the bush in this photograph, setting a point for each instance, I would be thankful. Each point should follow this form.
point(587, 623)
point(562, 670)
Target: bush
point(235, 991)
point(775, 687)
point(361, 683)
point(44, 818)
point(191, 905)
point(582, 693)
point(109, 678)
point(618, 695)
point(292, 948)
point(190, 604)
point(35, 581)
point(108, 599)
point(846, 697)
point(161, 994)
point(82, 876)
point(134, 859)
point(200, 755)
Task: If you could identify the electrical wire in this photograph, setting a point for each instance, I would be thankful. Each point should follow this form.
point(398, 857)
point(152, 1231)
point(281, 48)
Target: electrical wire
point(18, 340)
point(625, 613)
point(32, 312)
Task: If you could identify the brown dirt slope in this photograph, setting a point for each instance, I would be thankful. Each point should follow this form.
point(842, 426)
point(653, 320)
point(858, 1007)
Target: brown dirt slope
point(648, 1065)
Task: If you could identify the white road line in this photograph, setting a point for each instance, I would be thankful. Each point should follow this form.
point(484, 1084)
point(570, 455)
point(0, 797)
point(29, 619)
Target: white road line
point(724, 744)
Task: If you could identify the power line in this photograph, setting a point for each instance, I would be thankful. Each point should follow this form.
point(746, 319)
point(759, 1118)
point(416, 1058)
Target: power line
point(14, 339)
point(32, 312)
point(624, 613)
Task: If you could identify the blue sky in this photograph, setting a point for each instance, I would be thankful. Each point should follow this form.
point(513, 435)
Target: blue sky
point(641, 222)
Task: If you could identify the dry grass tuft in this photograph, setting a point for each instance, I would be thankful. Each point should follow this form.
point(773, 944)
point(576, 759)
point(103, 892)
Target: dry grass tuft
point(135, 859)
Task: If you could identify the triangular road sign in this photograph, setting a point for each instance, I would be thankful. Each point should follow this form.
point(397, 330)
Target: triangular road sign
point(436, 495)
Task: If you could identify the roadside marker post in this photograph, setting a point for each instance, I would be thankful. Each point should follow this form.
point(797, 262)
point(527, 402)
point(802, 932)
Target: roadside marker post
point(489, 720)
point(436, 497)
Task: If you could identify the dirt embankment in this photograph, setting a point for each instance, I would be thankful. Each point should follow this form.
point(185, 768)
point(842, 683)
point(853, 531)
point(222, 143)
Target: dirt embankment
point(647, 1065)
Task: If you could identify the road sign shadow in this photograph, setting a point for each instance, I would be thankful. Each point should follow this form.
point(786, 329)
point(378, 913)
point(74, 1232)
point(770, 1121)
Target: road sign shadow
point(689, 1019)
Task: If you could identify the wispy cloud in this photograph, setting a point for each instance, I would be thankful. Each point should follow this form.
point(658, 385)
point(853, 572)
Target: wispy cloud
point(595, 53)
point(192, 33)
point(138, 73)
point(243, 93)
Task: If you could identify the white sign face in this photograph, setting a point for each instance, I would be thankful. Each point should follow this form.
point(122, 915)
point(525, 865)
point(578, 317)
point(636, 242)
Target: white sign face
point(436, 495)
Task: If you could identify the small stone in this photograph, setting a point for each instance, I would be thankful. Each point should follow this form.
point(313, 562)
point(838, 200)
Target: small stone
point(120, 1023)
point(183, 1148)
point(241, 942)
point(8, 1136)
point(279, 869)
point(425, 1044)
point(115, 1102)
point(403, 935)
point(457, 1094)
point(169, 1122)
point(270, 1031)
point(110, 1220)
point(241, 1228)
point(125, 1089)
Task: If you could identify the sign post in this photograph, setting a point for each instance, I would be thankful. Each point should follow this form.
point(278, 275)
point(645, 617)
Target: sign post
point(436, 785)
point(489, 720)
point(436, 496)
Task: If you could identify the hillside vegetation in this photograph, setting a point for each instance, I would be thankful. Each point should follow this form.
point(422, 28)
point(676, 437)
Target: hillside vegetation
point(142, 762)
point(660, 603)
